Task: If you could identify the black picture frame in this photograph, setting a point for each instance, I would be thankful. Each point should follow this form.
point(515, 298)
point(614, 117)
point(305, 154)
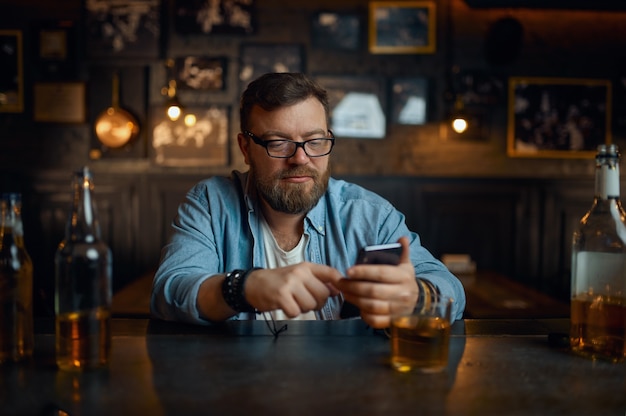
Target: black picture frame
point(358, 105)
point(402, 27)
point(130, 29)
point(183, 144)
point(409, 100)
point(261, 58)
point(558, 117)
point(199, 73)
point(335, 30)
point(11, 72)
point(201, 17)
point(56, 50)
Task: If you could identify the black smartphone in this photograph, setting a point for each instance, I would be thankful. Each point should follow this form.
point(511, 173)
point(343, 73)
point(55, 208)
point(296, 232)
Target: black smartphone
point(380, 254)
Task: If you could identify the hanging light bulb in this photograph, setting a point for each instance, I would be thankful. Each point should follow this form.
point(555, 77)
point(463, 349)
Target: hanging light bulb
point(174, 108)
point(459, 120)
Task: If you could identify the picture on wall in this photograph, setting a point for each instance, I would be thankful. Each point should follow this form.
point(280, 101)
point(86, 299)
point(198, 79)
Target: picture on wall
point(332, 30)
point(259, 59)
point(124, 29)
point(199, 73)
point(409, 100)
point(357, 106)
point(558, 117)
point(402, 27)
point(11, 72)
point(198, 138)
point(214, 17)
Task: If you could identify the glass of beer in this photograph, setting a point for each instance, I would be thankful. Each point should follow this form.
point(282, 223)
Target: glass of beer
point(420, 333)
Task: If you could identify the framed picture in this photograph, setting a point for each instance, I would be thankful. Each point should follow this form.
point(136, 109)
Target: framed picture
point(59, 102)
point(123, 29)
point(259, 59)
point(409, 100)
point(198, 138)
point(402, 27)
point(56, 49)
point(199, 73)
point(357, 106)
point(332, 30)
point(558, 117)
point(202, 17)
point(11, 72)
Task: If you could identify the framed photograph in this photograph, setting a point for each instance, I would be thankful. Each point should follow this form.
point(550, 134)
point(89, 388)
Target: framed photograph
point(332, 30)
point(199, 73)
point(259, 59)
point(123, 29)
point(198, 138)
point(11, 72)
point(409, 100)
point(357, 106)
point(59, 102)
point(402, 27)
point(56, 50)
point(202, 17)
point(558, 117)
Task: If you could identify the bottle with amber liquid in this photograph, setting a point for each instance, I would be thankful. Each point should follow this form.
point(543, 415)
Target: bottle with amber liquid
point(16, 284)
point(83, 285)
point(598, 301)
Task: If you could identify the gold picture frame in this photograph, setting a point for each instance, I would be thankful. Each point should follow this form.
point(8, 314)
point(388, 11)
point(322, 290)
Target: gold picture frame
point(402, 27)
point(11, 72)
point(558, 117)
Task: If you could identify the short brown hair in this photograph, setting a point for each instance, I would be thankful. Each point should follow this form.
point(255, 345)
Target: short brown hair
point(275, 90)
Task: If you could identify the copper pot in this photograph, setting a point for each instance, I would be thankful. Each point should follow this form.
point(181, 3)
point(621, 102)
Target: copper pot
point(115, 126)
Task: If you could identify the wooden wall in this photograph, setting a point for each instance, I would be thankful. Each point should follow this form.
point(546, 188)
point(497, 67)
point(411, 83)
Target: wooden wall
point(462, 194)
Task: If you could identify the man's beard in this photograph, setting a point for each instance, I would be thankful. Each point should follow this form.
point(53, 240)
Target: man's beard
point(291, 198)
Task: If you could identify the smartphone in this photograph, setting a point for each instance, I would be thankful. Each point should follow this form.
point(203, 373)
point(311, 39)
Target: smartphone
point(380, 254)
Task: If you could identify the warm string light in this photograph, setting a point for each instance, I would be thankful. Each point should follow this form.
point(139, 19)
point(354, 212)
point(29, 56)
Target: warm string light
point(459, 119)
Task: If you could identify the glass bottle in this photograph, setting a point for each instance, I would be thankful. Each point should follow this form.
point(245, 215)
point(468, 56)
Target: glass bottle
point(16, 283)
point(83, 285)
point(598, 301)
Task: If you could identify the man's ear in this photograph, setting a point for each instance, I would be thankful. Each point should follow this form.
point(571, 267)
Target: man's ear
point(244, 146)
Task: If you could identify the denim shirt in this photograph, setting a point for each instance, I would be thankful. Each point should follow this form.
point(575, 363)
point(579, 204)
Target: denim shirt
point(217, 230)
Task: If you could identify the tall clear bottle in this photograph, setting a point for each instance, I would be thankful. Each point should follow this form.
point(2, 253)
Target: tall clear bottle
point(83, 285)
point(598, 302)
point(16, 283)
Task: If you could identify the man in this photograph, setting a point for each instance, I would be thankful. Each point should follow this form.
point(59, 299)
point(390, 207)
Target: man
point(283, 237)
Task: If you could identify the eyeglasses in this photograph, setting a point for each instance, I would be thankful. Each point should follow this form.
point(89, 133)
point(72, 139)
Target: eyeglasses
point(272, 327)
point(284, 149)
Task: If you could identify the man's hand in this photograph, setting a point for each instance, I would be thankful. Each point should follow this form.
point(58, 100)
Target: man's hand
point(295, 289)
point(370, 287)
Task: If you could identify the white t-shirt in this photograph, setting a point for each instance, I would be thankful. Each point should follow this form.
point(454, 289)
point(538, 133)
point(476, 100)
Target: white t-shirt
point(277, 257)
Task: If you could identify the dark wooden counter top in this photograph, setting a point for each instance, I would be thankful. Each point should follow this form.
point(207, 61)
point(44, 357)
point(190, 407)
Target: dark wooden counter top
point(497, 367)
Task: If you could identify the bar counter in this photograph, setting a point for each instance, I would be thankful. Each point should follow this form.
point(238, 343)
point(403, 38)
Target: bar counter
point(497, 367)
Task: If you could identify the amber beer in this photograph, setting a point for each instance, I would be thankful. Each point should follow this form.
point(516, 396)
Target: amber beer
point(83, 339)
point(420, 334)
point(419, 343)
point(598, 328)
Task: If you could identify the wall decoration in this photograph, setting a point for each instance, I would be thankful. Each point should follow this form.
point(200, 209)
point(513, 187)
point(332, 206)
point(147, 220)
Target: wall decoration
point(402, 27)
point(558, 117)
point(59, 102)
point(409, 100)
point(198, 138)
point(213, 17)
point(259, 59)
point(331, 30)
point(55, 51)
point(199, 73)
point(357, 106)
point(11, 72)
point(123, 29)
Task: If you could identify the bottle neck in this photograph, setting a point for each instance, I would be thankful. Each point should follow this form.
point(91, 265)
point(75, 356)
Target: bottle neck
point(607, 181)
point(83, 223)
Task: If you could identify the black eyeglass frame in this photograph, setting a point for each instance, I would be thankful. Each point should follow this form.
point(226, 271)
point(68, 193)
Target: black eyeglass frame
point(266, 143)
